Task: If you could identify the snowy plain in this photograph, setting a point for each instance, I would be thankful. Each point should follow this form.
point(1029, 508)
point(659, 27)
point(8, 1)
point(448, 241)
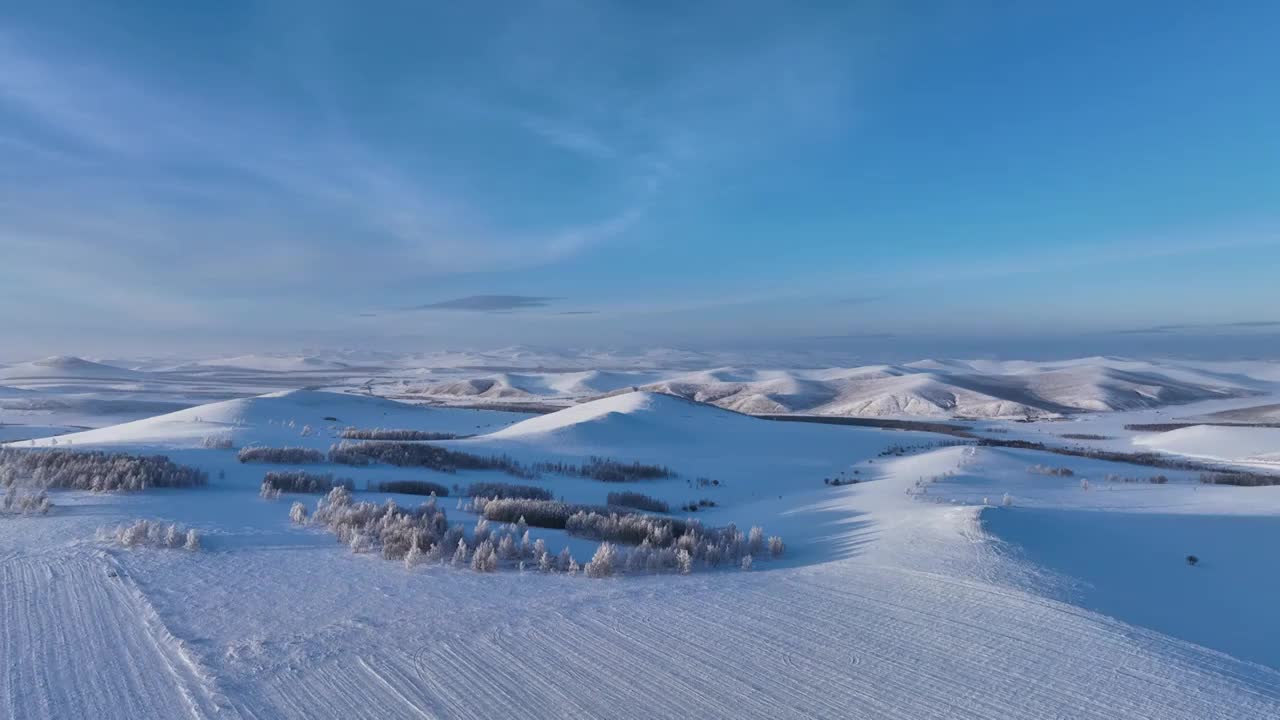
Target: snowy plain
point(916, 592)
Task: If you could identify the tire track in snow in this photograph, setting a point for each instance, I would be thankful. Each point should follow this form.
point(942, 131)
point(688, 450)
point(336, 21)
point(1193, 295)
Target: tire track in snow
point(78, 641)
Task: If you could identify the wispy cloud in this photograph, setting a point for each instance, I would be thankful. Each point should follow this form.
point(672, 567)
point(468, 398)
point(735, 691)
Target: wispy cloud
point(1199, 327)
point(489, 303)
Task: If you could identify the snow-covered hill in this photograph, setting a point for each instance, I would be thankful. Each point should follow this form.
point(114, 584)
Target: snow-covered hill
point(1230, 443)
point(293, 417)
point(928, 388)
point(268, 363)
point(65, 367)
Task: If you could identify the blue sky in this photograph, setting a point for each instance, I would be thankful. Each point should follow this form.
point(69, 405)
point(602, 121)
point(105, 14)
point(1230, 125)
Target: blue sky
point(241, 176)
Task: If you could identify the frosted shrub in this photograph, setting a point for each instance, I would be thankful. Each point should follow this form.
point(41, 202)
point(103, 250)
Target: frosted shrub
point(460, 555)
point(96, 471)
point(507, 548)
point(21, 501)
point(360, 543)
point(573, 567)
point(367, 527)
point(414, 556)
point(298, 513)
point(746, 563)
point(484, 559)
point(776, 548)
point(269, 491)
point(755, 540)
point(147, 533)
point(601, 564)
point(684, 561)
point(283, 455)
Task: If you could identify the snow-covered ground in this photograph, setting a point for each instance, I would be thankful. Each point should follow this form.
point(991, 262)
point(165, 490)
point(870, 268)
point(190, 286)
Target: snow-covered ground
point(917, 592)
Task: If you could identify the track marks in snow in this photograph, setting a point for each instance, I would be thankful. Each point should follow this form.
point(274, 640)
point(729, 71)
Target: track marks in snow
point(857, 641)
point(79, 639)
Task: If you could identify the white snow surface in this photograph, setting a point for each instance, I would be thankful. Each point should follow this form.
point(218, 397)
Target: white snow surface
point(281, 419)
point(914, 593)
point(1231, 443)
point(63, 367)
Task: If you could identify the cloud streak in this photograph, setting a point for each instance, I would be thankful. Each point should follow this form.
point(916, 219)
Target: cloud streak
point(489, 303)
point(1200, 327)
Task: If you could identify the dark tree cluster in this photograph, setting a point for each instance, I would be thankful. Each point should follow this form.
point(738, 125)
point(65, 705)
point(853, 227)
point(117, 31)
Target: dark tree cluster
point(608, 470)
point(1050, 470)
point(507, 490)
point(300, 481)
point(413, 487)
point(1242, 479)
point(433, 457)
point(281, 455)
point(639, 501)
point(352, 433)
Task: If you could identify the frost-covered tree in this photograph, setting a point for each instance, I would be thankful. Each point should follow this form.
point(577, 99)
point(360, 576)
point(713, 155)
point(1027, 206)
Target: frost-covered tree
point(776, 548)
point(507, 548)
point(1007, 500)
point(485, 558)
point(564, 560)
point(413, 557)
point(746, 563)
point(172, 537)
point(545, 561)
point(573, 567)
point(684, 561)
point(601, 564)
point(298, 513)
point(460, 555)
point(435, 554)
point(481, 531)
point(360, 542)
point(193, 540)
point(755, 540)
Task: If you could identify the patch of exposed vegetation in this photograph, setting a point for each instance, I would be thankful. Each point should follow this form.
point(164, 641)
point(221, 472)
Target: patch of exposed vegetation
point(281, 455)
point(433, 457)
point(1242, 479)
point(506, 490)
point(300, 481)
point(639, 501)
point(352, 433)
point(608, 470)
